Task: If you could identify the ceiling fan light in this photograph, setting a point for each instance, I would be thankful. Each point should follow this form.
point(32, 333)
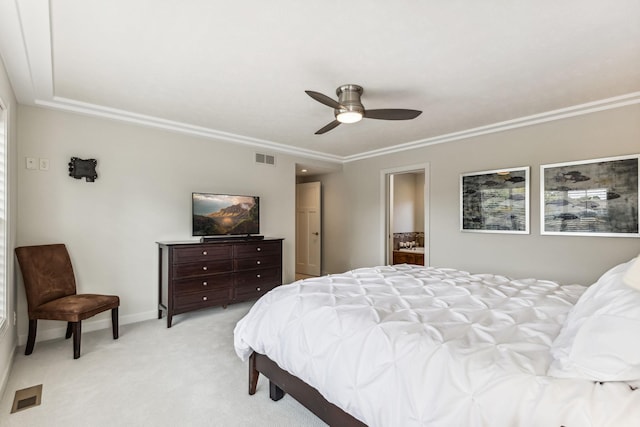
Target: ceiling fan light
point(349, 117)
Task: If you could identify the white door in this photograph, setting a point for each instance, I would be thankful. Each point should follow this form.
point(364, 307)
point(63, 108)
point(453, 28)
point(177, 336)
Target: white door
point(308, 228)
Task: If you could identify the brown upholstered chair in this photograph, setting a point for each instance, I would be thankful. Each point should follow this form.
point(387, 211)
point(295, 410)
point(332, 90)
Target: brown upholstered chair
point(50, 286)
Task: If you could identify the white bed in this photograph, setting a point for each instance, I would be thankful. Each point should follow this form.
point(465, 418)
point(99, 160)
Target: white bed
point(409, 345)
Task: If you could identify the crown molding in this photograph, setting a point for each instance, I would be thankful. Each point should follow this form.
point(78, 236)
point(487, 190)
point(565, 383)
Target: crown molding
point(70, 105)
point(563, 113)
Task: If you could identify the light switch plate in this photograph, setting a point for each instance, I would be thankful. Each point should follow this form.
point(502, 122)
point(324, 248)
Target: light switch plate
point(32, 163)
point(44, 164)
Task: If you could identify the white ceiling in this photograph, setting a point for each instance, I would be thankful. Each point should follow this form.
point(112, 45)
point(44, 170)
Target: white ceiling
point(238, 70)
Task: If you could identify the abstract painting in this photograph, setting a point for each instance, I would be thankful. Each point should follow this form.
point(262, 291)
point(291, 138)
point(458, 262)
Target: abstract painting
point(495, 201)
point(590, 198)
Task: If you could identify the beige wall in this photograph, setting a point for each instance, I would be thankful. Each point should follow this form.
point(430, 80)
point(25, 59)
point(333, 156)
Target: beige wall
point(408, 202)
point(142, 195)
point(419, 201)
point(404, 210)
point(565, 259)
point(8, 330)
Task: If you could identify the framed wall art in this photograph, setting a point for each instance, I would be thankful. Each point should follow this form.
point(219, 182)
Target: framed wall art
point(590, 198)
point(495, 201)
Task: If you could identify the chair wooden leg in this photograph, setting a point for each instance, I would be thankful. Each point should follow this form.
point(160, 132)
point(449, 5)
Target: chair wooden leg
point(31, 340)
point(114, 322)
point(77, 331)
point(69, 331)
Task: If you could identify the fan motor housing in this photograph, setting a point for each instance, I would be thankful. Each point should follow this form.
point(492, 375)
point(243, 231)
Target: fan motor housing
point(349, 98)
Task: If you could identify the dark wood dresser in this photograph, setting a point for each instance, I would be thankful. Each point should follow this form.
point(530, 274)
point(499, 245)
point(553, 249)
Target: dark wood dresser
point(408, 258)
point(195, 275)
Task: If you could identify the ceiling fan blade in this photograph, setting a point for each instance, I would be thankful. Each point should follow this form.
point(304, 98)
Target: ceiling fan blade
point(392, 114)
point(323, 99)
point(328, 127)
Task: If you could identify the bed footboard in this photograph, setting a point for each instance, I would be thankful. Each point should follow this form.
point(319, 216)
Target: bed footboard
point(281, 382)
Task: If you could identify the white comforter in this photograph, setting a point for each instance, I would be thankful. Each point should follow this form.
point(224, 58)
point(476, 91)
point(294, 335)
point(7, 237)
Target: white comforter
point(409, 346)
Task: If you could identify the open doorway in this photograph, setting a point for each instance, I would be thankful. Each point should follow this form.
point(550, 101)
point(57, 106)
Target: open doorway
point(406, 213)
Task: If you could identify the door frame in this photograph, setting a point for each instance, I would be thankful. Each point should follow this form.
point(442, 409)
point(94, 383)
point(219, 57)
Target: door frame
point(386, 213)
point(6, 293)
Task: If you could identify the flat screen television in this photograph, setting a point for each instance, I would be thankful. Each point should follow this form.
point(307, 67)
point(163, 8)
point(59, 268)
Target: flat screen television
point(225, 214)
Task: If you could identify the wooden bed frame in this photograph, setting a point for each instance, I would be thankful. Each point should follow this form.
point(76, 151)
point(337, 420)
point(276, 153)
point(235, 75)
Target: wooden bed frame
point(281, 382)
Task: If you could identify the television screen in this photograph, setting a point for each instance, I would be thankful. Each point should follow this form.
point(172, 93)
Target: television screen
point(225, 214)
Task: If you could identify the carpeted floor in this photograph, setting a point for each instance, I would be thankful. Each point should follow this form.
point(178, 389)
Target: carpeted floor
point(188, 375)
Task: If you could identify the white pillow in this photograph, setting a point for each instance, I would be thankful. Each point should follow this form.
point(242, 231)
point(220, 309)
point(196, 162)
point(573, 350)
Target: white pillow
point(600, 339)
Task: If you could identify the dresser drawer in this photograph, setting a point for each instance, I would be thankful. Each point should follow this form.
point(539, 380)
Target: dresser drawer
point(202, 268)
point(245, 250)
point(193, 301)
point(203, 283)
point(260, 277)
point(253, 291)
point(201, 253)
point(257, 261)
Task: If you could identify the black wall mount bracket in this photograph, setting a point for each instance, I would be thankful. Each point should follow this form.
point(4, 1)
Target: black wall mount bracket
point(79, 168)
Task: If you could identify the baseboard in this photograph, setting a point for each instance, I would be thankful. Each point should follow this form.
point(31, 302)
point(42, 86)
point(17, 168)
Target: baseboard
point(10, 353)
point(4, 380)
point(88, 326)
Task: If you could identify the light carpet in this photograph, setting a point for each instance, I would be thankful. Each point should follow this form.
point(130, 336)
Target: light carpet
point(186, 375)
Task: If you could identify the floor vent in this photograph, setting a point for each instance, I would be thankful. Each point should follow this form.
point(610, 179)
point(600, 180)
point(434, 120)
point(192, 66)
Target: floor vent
point(266, 159)
point(27, 398)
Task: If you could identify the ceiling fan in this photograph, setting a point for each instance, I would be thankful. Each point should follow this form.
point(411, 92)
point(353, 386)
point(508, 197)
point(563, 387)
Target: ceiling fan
point(349, 109)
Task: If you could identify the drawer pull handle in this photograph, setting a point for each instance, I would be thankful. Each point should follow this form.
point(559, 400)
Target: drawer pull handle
point(258, 289)
point(258, 276)
point(204, 268)
point(204, 252)
point(204, 298)
point(204, 283)
point(258, 262)
point(258, 249)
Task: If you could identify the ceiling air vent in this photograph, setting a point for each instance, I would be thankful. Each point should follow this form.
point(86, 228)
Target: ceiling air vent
point(266, 159)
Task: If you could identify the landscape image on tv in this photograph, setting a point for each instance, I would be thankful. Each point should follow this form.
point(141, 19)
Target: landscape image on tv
point(223, 214)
